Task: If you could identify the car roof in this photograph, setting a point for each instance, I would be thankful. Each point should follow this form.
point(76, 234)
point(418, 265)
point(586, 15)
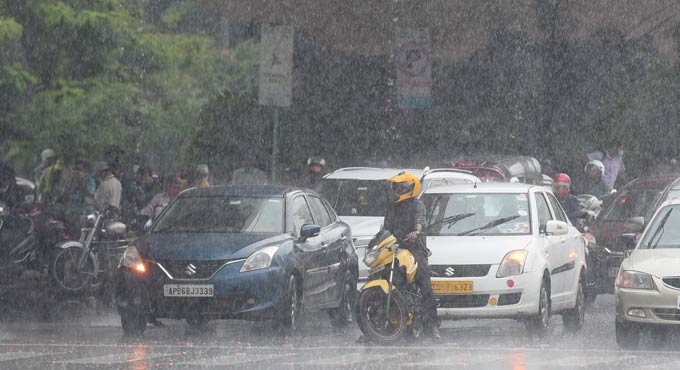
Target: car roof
point(252, 191)
point(675, 185)
point(670, 202)
point(484, 187)
point(368, 173)
point(649, 183)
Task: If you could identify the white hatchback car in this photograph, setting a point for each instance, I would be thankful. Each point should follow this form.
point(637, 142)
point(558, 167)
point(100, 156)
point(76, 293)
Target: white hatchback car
point(503, 250)
point(362, 195)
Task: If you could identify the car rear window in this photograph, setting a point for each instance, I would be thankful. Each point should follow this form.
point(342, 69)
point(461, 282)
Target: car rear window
point(369, 198)
point(223, 215)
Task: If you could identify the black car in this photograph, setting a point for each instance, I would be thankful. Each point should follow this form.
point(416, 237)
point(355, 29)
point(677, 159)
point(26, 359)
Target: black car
point(254, 253)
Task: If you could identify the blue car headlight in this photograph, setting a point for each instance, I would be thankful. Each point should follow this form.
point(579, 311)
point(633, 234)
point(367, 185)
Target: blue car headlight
point(260, 259)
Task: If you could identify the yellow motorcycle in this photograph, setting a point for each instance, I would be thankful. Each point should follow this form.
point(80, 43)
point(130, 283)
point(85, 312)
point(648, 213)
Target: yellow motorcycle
point(388, 306)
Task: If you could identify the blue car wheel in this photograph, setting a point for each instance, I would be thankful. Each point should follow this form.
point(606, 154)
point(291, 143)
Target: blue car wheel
point(286, 320)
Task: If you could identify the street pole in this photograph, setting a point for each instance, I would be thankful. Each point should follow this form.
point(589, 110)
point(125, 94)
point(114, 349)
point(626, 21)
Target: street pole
point(275, 144)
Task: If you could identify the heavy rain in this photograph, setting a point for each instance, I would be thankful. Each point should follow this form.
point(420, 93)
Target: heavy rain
point(305, 184)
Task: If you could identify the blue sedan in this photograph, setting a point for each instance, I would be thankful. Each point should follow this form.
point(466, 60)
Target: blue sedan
point(261, 253)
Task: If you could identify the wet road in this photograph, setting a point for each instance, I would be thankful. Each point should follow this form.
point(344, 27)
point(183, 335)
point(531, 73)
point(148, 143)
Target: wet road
point(94, 340)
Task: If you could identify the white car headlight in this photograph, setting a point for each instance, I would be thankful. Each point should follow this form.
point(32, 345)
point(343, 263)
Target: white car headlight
point(371, 256)
point(512, 264)
point(132, 260)
point(260, 259)
point(634, 280)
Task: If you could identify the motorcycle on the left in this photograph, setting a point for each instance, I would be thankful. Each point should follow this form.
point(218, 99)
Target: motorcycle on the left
point(27, 244)
point(87, 265)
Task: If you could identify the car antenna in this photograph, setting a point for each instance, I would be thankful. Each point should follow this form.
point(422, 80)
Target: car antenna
point(475, 185)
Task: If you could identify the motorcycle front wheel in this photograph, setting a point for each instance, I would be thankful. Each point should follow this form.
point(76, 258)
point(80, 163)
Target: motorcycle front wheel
point(378, 325)
point(66, 273)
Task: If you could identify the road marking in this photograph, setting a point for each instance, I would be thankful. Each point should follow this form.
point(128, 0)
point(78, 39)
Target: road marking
point(117, 358)
point(12, 356)
point(235, 359)
point(347, 359)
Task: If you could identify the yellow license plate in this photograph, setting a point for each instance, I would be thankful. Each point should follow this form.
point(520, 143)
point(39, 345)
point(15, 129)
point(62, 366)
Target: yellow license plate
point(452, 287)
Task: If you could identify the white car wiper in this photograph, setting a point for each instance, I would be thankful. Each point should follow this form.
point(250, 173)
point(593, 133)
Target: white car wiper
point(488, 226)
point(659, 231)
point(451, 220)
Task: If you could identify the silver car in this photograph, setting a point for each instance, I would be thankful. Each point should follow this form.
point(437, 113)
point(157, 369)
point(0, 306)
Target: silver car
point(648, 283)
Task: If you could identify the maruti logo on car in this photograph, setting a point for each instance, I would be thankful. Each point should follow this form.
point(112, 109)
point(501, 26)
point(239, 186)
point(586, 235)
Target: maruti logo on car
point(450, 271)
point(190, 270)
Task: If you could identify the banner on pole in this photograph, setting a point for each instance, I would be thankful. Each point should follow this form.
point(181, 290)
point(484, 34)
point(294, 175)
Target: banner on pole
point(414, 68)
point(276, 66)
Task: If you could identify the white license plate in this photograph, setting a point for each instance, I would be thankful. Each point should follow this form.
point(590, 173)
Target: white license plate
point(188, 290)
point(613, 272)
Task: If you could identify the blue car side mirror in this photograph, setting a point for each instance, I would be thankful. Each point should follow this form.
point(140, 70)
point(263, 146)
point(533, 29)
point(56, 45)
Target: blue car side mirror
point(309, 231)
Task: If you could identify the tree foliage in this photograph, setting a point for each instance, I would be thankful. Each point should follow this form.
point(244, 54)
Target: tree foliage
point(97, 73)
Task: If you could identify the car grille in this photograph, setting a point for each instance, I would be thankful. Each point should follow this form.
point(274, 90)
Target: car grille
point(672, 282)
point(201, 269)
point(463, 300)
point(456, 271)
point(507, 299)
point(671, 314)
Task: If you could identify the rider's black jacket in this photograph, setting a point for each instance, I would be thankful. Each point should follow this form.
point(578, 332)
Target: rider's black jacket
point(402, 218)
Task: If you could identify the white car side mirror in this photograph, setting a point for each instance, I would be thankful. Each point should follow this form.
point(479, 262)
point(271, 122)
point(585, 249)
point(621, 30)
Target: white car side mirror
point(554, 227)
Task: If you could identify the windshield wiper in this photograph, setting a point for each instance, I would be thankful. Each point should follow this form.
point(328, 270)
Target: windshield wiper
point(488, 226)
point(177, 222)
point(659, 230)
point(451, 220)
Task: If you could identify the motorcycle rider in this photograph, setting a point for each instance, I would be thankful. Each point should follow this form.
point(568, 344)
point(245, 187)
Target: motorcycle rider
point(405, 219)
point(10, 194)
point(312, 178)
point(562, 190)
point(48, 157)
point(594, 183)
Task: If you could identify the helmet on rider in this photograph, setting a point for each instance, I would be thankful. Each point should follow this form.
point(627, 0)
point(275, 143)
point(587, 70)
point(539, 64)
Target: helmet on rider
point(47, 154)
point(561, 185)
point(405, 185)
point(315, 164)
point(593, 167)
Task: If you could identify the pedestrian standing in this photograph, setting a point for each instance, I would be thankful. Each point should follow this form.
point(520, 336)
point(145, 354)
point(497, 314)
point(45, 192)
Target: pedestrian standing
point(108, 194)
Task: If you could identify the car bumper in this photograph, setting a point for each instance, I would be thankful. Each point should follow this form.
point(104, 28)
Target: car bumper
point(659, 306)
point(253, 295)
point(493, 297)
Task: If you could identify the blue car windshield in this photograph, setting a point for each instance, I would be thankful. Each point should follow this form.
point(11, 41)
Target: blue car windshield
point(222, 215)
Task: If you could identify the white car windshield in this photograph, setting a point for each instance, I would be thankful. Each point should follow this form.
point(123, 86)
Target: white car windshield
point(477, 214)
point(664, 231)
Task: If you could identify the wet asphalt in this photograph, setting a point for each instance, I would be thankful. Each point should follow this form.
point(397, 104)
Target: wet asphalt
point(85, 335)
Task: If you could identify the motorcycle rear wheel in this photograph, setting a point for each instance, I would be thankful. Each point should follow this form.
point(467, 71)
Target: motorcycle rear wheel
point(67, 275)
point(372, 318)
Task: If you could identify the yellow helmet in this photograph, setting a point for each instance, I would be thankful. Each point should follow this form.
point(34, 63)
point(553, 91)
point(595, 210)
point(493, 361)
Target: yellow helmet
point(405, 185)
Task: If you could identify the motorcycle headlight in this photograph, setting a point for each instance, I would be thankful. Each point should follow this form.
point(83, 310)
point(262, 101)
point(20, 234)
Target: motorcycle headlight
point(512, 264)
point(260, 259)
point(90, 219)
point(371, 256)
point(634, 280)
point(132, 260)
